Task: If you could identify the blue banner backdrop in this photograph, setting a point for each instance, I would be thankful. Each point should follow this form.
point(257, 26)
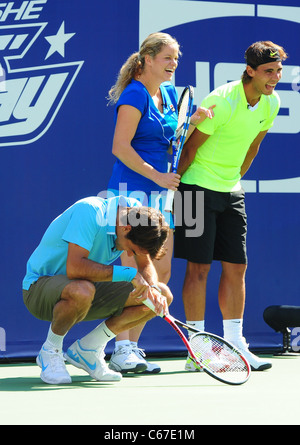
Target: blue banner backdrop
point(59, 59)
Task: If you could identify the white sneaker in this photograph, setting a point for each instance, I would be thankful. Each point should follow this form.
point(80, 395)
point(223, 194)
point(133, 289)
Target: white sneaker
point(92, 361)
point(256, 363)
point(125, 360)
point(152, 368)
point(53, 367)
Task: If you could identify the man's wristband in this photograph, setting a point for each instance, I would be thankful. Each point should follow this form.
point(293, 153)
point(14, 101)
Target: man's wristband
point(121, 273)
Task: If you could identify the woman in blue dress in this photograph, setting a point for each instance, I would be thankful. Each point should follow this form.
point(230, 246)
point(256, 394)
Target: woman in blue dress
point(145, 123)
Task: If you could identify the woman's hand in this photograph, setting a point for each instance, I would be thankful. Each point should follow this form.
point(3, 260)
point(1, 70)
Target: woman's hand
point(167, 180)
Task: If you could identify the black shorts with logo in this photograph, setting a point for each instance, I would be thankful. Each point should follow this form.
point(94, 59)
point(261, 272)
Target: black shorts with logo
point(224, 225)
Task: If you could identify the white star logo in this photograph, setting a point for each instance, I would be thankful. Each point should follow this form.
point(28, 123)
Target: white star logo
point(58, 41)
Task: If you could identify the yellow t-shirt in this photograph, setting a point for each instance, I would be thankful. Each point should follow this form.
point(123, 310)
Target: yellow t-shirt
point(218, 161)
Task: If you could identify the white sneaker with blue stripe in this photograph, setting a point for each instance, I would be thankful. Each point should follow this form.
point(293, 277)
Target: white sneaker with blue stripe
point(93, 362)
point(54, 371)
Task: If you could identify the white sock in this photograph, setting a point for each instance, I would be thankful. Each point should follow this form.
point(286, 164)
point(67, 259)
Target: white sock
point(54, 341)
point(198, 324)
point(120, 343)
point(233, 330)
point(97, 338)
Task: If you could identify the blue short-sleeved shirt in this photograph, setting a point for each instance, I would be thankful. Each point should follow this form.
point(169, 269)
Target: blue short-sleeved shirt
point(90, 223)
point(153, 135)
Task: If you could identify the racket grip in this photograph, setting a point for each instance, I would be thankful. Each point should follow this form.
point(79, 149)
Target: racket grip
point(169, 201)
point(151, 306)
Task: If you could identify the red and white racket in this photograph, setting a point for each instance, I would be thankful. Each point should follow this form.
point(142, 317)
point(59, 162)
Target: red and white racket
point(216, 356)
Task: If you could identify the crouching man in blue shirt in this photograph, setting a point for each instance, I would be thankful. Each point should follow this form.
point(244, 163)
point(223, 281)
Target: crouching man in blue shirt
point(70, 278)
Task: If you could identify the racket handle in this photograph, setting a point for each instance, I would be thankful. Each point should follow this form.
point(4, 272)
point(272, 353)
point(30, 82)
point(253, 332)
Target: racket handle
point(151, 306)
point(169, 201)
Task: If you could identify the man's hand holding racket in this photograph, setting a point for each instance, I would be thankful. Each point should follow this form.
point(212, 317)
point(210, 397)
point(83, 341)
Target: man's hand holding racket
point(144, 291)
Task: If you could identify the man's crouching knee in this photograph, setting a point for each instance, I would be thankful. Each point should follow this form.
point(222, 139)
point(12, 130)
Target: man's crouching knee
point(166, 292)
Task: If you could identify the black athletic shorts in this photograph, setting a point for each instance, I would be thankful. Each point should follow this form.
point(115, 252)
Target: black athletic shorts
point(210, 225)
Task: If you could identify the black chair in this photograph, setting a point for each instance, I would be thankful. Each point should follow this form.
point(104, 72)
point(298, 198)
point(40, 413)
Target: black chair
point(281, 319)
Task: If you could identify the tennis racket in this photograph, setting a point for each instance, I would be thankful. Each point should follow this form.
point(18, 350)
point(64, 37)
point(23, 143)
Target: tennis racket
point(217, 357)
point(185, 107)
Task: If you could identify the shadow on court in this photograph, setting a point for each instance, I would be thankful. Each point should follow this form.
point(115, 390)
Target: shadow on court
point(19, 384)
point(23, 383)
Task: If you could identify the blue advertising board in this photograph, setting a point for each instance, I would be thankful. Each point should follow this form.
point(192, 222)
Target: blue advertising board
point(59, 58)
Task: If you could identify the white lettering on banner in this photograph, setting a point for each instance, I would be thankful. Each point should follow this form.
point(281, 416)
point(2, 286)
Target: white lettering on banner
point(169, 13)
point(296, 79)
point(17, 102)
point(156, 15)
point(2, 339)
point(30, 97)
point(28, 10)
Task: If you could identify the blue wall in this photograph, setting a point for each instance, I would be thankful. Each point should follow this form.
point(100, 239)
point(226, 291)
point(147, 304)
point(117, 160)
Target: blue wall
point(56, 134)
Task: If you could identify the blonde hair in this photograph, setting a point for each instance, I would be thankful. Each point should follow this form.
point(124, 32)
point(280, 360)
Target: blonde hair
point(135, 63)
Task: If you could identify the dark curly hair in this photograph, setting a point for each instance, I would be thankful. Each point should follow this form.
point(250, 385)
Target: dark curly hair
point(261, 52)
point(149, 229)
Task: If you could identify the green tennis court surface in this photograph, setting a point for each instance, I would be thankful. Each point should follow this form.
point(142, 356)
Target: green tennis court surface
point(173, 397)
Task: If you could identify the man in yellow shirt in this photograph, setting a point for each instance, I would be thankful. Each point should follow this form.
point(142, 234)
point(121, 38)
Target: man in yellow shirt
point(217, 154)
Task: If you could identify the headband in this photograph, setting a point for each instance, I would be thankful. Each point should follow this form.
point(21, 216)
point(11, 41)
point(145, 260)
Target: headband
point(267, 56)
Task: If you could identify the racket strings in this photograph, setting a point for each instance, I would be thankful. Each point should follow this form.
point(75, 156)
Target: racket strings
point(218, 357)
point(185, 107)
point(182, 113)
point(183, 121)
